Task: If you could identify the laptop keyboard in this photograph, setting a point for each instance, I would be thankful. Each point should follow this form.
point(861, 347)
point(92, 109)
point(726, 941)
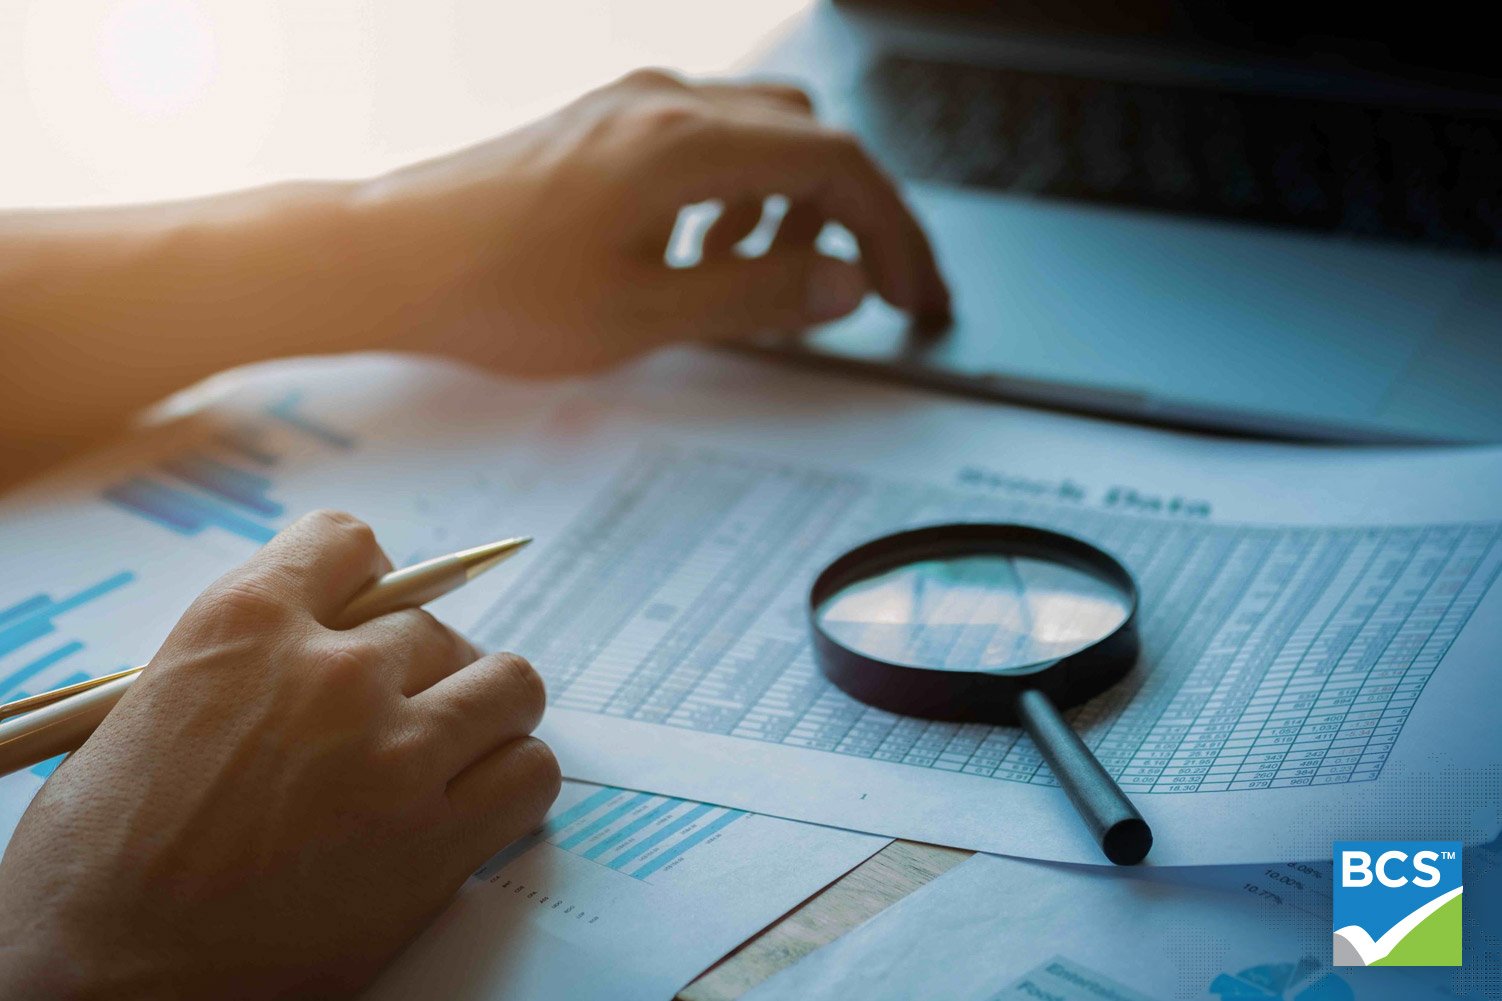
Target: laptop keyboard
point(1421, 176)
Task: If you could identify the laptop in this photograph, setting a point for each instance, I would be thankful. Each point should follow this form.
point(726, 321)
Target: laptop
point(1259, 218)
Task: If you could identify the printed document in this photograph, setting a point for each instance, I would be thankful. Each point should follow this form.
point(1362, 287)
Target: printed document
point(622, 895)
point(101, 558)
point(1319, 625)
point(999, 929)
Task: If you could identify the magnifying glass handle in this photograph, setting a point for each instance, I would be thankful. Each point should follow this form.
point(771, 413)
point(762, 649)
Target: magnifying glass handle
point(1123, 835)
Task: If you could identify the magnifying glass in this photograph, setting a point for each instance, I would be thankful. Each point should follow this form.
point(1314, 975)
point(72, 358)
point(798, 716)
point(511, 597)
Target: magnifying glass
point(994, 623)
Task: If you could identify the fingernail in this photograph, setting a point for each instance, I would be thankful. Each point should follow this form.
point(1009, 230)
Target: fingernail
point(834, 289)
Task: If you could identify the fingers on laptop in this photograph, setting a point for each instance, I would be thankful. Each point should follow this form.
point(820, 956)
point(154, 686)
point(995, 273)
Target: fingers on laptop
point(826, 175)
point(736, 221)
point(734, 298)
point(753, 140)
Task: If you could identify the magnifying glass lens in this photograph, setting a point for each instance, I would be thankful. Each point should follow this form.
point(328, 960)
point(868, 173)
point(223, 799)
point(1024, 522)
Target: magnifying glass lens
point(990, 623)
point(987, 612)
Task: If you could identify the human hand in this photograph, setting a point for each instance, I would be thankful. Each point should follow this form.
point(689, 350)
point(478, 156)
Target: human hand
point(275, 807)
point(542, 251)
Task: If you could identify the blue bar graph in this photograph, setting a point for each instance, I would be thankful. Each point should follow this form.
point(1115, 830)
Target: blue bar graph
point(704, 833)
point(610, 817)
point(631, 829)
point(91, 593)
point(44, 769)
point(182, 512)
point(236, 486)
point(246, 443)
point(33, 618)
point(31, 670)
point(521, 846)
point(636, 834)
point(15, 637)
point(583, 808)
point(285, 410)
point(210, 486)
point(629, 855)
point(26, 607)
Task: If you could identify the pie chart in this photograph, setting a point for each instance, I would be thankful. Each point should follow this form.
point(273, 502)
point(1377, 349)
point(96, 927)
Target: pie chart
point(1301, 981)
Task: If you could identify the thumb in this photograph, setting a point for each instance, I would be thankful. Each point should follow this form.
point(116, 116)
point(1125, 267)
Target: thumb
point(735, 297)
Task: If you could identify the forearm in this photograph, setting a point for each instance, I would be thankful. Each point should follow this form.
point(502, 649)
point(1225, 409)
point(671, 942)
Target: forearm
point(536, 253)
point(103, 312)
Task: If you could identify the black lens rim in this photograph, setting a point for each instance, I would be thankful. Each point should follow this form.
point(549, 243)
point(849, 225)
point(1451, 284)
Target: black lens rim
point(975, 696)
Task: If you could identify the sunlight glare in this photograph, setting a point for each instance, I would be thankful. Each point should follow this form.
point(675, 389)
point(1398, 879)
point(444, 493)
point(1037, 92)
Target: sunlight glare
point(157, 57)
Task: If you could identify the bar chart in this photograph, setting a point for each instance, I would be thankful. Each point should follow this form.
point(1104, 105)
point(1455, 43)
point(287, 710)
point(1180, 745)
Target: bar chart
point(226, 478)
point(288, 411)
point(210, 486)
point(32, 620)
point(633, 833)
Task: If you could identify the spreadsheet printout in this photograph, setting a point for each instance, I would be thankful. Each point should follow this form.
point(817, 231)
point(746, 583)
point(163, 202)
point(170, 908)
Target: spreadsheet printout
point(1284, 663)
point(1279, 656)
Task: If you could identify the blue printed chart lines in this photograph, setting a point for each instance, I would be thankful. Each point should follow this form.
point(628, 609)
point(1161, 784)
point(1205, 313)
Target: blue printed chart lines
point(286, 411)
point(1306, 980)
point(634, 833)
point(34, 619)
point(210, 485)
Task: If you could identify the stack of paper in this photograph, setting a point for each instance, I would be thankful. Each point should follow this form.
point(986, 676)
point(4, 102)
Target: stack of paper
point(624, 894)
point(621, 896)
point(1319, 633)
point(1319, 625)
point(998, 929)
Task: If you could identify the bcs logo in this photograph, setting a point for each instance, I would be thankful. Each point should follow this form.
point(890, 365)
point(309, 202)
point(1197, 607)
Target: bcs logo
point(1397, 903)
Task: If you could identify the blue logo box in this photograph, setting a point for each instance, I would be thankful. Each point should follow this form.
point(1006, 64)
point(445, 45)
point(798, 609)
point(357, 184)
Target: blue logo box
point(1397, 903)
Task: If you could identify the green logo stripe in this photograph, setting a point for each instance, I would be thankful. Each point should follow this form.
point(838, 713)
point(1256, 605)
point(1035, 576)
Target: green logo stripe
point(1434, 942)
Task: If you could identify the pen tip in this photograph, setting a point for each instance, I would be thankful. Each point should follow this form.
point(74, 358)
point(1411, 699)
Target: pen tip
point(482, 558)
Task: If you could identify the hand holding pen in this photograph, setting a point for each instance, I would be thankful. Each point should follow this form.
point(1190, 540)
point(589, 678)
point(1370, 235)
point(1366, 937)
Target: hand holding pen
point(60, 720)
point(329, 787)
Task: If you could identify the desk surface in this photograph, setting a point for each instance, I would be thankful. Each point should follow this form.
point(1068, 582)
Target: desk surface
point(882, 880)
point(100, 111)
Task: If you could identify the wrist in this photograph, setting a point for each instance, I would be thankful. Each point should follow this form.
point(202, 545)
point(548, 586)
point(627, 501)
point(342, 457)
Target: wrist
point(30, 971)
point(402, 245)
point(358, 289)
